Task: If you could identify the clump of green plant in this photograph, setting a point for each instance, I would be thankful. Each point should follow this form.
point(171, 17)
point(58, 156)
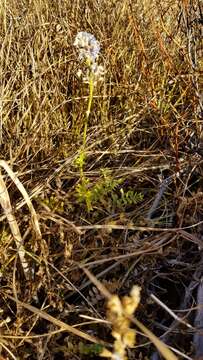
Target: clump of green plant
point(94, 194)
point(71, 346)
point(54, 204)
point(125, 198)
point(90, 349)
point(106, 191)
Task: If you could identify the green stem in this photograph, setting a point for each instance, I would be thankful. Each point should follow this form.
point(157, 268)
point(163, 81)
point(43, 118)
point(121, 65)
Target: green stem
point(91, 89)
point(82, 151)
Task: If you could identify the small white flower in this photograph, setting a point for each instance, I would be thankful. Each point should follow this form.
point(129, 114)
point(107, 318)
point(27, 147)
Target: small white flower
point(98, 70)
point(88, 49)
point(87, 46)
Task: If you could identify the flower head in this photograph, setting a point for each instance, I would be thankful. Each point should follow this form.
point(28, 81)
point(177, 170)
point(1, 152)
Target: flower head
point(88, 49)
point(87, 46)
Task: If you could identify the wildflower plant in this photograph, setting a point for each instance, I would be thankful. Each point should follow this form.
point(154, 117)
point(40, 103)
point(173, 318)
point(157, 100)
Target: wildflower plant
point(88, 52)
point(88, 49)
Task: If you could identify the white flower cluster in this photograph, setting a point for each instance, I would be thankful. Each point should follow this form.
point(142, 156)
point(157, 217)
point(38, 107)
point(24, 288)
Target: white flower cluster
point(88, 49)
point(87, 46)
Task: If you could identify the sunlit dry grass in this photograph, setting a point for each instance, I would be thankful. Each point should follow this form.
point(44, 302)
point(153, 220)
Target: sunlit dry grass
point(144, 128)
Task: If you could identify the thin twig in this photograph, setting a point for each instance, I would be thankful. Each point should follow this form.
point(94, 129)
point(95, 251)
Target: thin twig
point(166, 308)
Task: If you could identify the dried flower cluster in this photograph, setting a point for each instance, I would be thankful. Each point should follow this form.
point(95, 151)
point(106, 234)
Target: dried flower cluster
point(118, 314)
point(88, 49)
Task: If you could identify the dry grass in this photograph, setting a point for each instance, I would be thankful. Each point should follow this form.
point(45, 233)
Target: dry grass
point(144, 152)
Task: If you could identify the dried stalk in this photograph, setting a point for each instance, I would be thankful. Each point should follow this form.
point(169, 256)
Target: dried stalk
point(24, 193)
point(6, 205)
point(198, 323)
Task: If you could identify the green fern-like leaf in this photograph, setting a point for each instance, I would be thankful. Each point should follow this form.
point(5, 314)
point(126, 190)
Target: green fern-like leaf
point(105, 192)
point(93, 195)
point(126, 198)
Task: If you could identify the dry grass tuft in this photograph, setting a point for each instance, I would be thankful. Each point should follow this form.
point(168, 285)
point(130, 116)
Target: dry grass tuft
point(128, 206)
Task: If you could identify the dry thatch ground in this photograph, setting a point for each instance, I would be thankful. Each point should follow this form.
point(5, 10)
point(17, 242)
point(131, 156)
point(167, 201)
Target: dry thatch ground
point(143, 173)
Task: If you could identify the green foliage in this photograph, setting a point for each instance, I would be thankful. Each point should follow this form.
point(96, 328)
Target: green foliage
point(105, 192)
point(90, 349)
point(80, 160)
point(92, 194)
point(71, 347)
point(126, 198)
point(84, 194)
point(54, 203)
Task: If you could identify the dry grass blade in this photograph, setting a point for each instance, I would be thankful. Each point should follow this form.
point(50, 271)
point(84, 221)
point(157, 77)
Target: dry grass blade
point(98, 284)
point(7, 208)
point(198, 336)
point(24, 193)
point(166, 308)
point(63, 326)
point(136, 214)
point(131, 227)
point(163, 349)
point(8, 351)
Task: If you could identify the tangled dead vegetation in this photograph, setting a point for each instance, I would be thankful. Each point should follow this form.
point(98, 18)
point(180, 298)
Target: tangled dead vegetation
point(101, 181)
